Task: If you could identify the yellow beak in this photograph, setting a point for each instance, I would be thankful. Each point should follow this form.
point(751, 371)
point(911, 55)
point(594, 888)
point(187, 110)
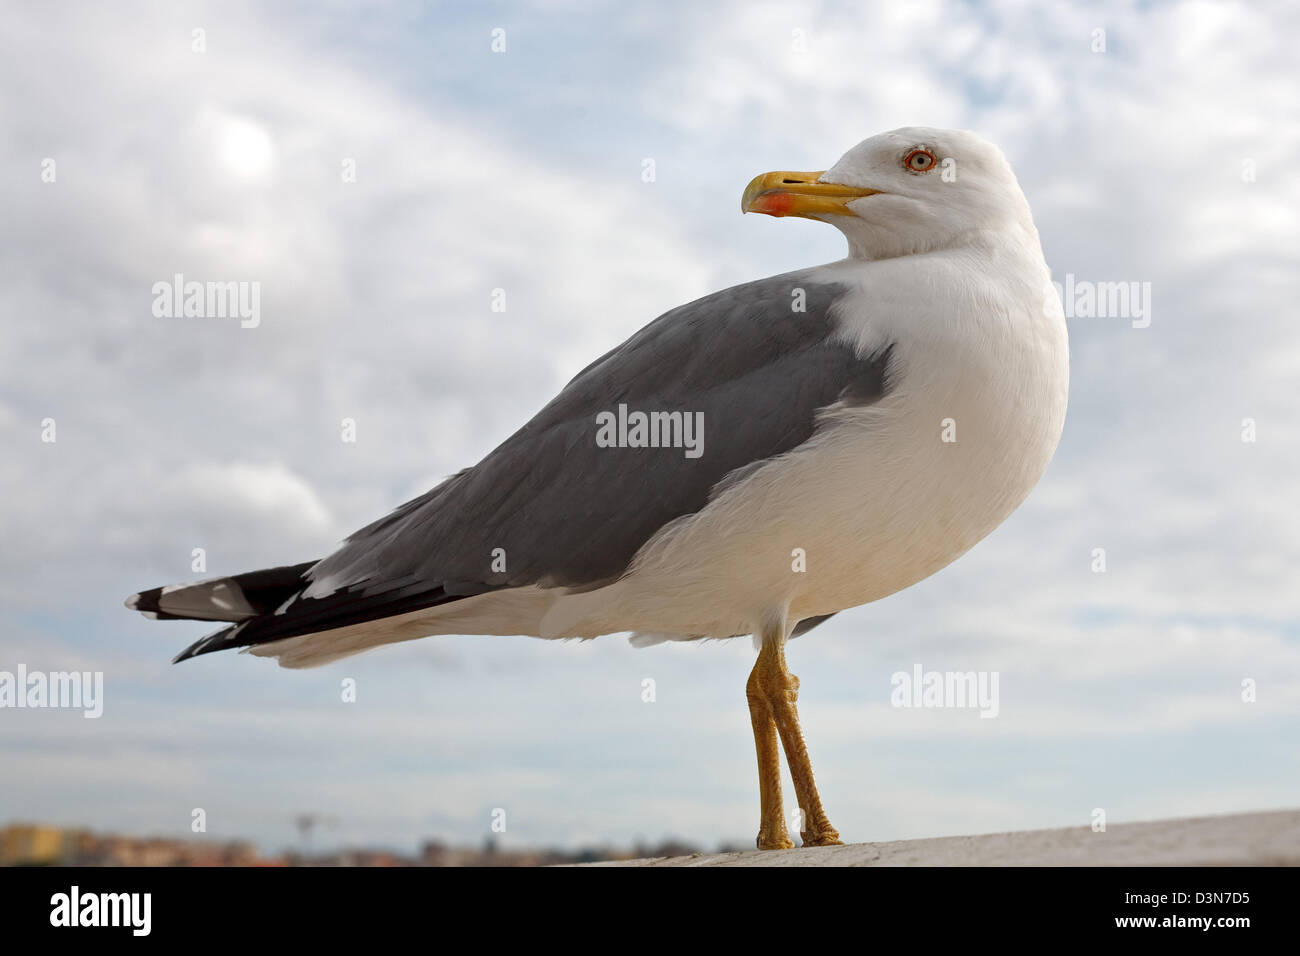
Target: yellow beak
point(799, 194)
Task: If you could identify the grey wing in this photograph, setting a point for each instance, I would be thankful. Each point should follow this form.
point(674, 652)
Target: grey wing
point(562, 511)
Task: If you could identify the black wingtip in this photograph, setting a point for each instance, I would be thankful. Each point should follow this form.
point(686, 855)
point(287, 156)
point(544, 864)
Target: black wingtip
point(191, 651)
point(216, 641)
point(145, 601)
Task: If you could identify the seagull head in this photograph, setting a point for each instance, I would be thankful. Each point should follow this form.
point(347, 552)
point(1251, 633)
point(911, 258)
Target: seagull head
point(908, 191)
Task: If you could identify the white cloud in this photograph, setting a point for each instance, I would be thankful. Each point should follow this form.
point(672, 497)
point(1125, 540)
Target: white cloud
point(375, 296)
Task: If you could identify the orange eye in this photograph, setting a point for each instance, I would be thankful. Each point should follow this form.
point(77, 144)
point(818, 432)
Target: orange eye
point(919, 160)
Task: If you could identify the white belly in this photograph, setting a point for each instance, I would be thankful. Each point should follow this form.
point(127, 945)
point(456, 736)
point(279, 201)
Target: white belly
point(877, 501)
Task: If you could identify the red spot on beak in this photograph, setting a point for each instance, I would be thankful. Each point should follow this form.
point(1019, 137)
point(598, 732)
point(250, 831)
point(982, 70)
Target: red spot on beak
point(773, 204)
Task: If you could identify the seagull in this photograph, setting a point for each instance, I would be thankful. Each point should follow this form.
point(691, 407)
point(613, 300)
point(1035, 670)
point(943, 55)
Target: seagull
point(749, 463)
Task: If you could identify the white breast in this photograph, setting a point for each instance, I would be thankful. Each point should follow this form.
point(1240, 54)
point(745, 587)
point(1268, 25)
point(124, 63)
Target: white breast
point(878, 499)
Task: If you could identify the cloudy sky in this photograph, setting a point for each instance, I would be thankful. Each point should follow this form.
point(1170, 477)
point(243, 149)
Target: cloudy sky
point(1157, 143)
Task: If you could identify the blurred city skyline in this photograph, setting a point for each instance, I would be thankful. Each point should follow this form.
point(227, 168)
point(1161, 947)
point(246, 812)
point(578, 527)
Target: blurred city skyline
point(26, 844)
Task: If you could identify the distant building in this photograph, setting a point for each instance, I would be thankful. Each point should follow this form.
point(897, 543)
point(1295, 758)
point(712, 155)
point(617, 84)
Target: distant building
point(29, 844)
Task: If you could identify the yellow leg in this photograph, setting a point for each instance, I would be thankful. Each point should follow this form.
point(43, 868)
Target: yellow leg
point(771, 829)
point(772, 684)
